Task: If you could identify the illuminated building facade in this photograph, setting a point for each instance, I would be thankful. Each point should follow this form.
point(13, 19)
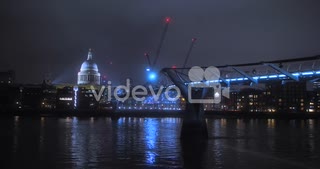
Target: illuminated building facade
point(89, 73)
point(65, 98)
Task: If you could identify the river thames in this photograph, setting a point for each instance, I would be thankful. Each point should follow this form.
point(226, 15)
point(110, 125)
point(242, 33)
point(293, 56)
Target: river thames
point(100, 142)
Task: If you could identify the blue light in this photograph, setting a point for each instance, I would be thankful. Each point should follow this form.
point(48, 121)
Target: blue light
point(213, 81)
point(152, 76)
point(148, 69)
point(273, 76)
point(282, 75)
point(75, 89)
point(307, 73)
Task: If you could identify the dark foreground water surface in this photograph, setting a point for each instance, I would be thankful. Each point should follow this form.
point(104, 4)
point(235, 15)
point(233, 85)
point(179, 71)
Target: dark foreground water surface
point(50, 142)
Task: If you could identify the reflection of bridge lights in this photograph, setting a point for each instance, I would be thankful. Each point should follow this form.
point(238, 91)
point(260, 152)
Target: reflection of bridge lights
point(150, 132)
point(150, 157)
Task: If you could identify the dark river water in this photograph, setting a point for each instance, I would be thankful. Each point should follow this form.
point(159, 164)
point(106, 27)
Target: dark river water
point(80, 143)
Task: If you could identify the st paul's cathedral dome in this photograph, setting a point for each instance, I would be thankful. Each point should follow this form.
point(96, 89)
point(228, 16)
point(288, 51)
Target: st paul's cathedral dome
point(89, 73)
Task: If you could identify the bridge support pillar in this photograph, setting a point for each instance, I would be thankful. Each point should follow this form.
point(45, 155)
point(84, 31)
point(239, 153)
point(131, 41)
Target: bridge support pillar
point(194, 125)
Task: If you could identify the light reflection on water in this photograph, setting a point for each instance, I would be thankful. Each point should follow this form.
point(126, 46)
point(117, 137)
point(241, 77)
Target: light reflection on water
point(101, 142)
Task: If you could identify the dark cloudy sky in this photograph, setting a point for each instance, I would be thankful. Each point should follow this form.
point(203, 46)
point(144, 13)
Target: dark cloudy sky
point(40, 36)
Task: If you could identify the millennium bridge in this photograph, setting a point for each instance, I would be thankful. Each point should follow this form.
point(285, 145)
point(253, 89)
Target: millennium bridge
point(230, 77)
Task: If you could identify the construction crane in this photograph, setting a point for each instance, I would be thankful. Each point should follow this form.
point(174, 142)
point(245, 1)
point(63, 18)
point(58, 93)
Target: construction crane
point(167, 21)
point(151, 74)
point(149, 62)
point(193, 40)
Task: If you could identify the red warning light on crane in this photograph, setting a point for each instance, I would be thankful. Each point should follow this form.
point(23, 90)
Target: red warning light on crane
point(167, 19)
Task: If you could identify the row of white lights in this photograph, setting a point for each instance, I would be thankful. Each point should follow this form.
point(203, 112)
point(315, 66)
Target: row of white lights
point(140, 108)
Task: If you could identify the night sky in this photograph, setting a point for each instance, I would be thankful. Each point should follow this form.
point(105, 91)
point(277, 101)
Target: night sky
point(40, 37)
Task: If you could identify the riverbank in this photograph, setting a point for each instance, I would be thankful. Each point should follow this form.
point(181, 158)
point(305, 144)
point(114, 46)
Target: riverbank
point(159, 114)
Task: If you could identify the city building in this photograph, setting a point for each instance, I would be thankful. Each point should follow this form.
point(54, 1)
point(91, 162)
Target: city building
point(7, 77)
point(65, 98)
point(10, 98)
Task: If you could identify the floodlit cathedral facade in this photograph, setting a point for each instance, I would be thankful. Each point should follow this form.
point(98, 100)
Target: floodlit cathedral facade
point(89, 73)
